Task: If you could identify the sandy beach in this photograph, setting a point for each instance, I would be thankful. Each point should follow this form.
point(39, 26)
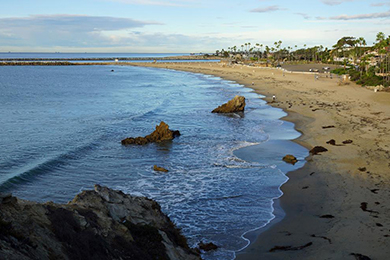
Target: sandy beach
point(336, 206)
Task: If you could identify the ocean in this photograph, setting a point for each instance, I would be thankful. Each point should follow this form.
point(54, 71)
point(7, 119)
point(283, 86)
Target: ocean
point(61, 129)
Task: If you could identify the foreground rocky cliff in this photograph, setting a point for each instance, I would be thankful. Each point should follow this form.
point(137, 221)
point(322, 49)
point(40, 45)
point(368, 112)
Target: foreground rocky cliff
point(97, 224)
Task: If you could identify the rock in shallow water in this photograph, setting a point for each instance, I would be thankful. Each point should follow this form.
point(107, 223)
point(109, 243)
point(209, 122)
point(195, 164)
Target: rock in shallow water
point(162, 133)
point(159, 169)
point(290, 159)
point(97, 224)
point(237, 104)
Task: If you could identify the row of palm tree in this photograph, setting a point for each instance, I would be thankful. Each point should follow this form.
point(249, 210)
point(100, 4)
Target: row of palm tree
point(346, 49)
point(260, 51)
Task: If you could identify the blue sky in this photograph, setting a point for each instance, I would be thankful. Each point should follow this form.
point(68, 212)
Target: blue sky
point(184, 25)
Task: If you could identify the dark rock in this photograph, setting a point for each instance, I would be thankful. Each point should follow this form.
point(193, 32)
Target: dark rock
point(159, 169)
point(364, 205)
point(207, 246)
point(318, 149)
point(162, 133)
point(96, 224)
point(237, 104)
point(328, 126)
point(347, 141)
point(360, 257)
point(327, 216)
point(290, 248)
point(362, 169)
point(331, 142)
point(7, 198)
point(290, 159)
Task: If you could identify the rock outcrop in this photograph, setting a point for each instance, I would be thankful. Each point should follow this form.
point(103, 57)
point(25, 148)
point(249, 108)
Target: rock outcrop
point(290, 159)
point(207, 246)
point(97, 224)
point(162, 133)
point(237, 104)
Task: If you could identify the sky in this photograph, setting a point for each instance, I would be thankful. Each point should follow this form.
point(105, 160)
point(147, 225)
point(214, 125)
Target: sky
point(184, 26)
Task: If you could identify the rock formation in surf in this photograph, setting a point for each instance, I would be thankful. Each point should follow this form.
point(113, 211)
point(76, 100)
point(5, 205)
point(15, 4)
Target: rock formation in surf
point(290, 159)
point(237, 104)
point(162, 133)
point(159, 169)
point(96, 224)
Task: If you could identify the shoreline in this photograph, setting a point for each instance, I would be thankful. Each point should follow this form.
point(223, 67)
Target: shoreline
point(341, 195)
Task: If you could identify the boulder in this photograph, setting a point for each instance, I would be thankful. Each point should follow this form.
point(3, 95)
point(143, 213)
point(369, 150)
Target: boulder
point(97, 224)
point(207, 246)
point(162, 133)
point(237, 104)
point(159, 169)
point(290, 159)
point(331, 142)
point(317, 149)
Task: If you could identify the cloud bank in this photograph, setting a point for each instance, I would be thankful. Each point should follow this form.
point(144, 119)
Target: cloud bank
point(76, 32)
point(64, 30)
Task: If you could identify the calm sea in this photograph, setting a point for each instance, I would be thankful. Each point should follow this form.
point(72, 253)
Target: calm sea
point(61, 129)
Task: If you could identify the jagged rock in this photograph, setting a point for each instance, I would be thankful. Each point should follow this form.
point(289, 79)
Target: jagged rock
point(96, 224)
point(159, 169)
point(237, 104)
point(290, 159)
point(207, 246)
point(318, 149)
point(162, 133)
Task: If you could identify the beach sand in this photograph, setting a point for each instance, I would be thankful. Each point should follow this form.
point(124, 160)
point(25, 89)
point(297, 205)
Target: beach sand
point(337, 205)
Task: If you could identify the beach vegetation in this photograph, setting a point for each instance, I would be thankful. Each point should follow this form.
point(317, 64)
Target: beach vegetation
point(367, 65)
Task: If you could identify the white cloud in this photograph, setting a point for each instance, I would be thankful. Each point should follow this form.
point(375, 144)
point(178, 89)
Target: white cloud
point(335, 2)
point(361, 16)
point(381, 4)
point(305, 16)
point(156, 2)
point(267, 9)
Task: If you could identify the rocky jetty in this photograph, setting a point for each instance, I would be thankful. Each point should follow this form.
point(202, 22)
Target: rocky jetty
point(162, 133)
point(97, 224)
point(237, 104)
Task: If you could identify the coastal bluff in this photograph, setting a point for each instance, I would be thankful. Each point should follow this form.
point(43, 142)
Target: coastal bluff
point(97, 224)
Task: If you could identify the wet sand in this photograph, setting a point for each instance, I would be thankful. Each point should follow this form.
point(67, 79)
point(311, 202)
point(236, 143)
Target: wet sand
point(336, 206)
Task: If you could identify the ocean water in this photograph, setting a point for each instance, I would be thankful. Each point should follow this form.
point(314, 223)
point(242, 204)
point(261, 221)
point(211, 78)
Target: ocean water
point(61, 129)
